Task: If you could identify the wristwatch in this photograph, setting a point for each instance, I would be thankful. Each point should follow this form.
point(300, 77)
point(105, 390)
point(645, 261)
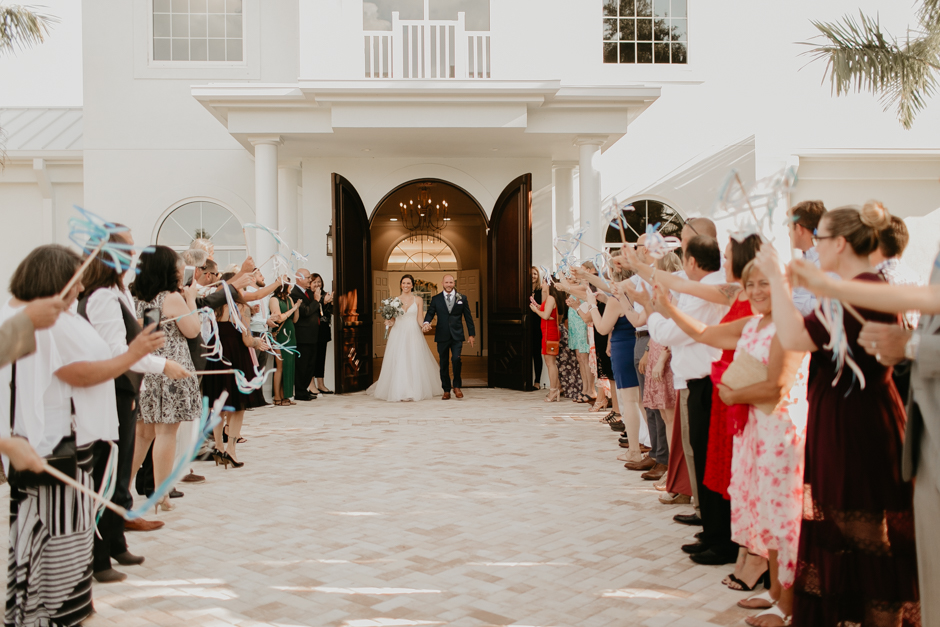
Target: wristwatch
point(910, 349)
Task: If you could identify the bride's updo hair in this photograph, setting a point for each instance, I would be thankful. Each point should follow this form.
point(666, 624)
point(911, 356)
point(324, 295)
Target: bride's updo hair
point(410, 278)
point(859, 227)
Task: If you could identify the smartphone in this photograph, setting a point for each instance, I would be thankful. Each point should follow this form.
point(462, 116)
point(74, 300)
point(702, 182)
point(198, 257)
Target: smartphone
point(188, 273)
point(151, 316)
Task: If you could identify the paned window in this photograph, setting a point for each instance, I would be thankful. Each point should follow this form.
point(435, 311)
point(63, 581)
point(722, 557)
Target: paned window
point(205, 220)
point(420, 253)
point(646, 31)
point(645, 212)
point(198, 30)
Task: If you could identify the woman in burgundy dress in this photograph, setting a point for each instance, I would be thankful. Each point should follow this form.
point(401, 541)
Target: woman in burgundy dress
point(857, 561)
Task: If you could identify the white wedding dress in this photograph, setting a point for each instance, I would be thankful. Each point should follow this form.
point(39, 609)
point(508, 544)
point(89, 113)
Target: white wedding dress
point(409, 370)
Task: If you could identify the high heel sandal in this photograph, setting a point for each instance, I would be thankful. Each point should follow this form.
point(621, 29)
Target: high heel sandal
point(220, 458)
point(231, 460)
point(600, 404)
point(553, 394)
point(164, 504)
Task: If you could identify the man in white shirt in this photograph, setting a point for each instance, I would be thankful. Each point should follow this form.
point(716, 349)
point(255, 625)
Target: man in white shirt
point(804, 219)
point(691, 368)
point(260, 314)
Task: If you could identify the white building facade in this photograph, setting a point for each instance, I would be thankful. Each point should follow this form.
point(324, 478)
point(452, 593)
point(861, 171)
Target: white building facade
point(317, 117)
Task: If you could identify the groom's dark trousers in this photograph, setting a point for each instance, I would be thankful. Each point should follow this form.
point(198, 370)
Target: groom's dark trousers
point(452, 347)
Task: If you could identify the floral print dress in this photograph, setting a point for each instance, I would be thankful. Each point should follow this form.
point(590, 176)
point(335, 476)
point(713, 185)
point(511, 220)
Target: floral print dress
point(767, 466)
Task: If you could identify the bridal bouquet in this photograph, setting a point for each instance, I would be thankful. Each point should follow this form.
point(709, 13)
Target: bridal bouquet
point(389, 309)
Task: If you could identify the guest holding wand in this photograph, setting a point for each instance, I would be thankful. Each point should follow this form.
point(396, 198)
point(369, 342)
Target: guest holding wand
point(308, 332)
point(857, 560)
point(891, 344)
point(547, 312)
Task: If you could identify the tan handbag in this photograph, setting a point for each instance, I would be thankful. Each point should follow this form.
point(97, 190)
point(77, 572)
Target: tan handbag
point(551, 347)
point(747, 370)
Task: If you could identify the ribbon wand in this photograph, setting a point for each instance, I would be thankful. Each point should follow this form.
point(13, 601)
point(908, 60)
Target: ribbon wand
point(82, 268)
point(64, 478)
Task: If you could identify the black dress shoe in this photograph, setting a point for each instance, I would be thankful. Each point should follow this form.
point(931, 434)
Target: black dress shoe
point(694, 548)
point(688, 519)
point(698, 536)
point(302, 397)
point(711, 558)
point(176, 494)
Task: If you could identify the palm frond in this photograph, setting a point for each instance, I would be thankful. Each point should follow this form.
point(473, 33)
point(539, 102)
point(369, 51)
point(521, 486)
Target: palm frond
point(23, 26)
point(861, 57)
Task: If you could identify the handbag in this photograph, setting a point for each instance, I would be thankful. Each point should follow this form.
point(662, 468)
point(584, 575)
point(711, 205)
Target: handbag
point(747, 370)
point(551, 347)
point(63, 458)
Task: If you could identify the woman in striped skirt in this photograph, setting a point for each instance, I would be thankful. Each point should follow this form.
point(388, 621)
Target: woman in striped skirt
point(63, 390)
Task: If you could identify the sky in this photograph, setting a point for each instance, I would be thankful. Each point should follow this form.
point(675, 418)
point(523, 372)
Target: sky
point(49, 74)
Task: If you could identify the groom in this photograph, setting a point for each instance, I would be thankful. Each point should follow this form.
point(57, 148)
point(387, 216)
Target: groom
point(449, 306)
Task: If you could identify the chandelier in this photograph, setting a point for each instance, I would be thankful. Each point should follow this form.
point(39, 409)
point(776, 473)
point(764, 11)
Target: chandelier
point(423, 215)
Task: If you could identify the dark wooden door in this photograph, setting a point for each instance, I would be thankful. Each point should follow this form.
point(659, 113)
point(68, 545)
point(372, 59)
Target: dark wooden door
point(352, 269)
point(509, 250)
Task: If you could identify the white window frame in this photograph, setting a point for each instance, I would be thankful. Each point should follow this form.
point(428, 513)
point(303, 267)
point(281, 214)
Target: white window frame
point(186, 201)
point(249, 67)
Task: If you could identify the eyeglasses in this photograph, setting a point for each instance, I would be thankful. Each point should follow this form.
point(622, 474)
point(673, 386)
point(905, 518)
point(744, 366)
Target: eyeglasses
point(212, 274)
point(816, 237)
point(203, 268)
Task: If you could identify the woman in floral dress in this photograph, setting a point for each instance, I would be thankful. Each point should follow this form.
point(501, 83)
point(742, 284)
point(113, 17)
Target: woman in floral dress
point(767, 463)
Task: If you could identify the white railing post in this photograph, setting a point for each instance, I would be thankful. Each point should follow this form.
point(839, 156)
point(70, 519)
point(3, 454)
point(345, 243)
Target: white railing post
point(460, 47)
point(396, 69)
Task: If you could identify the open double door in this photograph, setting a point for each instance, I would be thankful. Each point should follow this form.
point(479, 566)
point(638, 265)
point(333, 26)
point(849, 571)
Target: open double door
point(509, 250)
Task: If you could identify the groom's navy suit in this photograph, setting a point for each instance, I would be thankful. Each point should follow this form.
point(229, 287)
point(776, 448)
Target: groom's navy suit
point(449, 335)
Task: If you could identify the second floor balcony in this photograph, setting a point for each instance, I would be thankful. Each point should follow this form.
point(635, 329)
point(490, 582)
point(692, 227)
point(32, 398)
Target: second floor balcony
point(427, 48)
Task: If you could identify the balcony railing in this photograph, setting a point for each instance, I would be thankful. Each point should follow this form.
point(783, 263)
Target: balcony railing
point(427, 49)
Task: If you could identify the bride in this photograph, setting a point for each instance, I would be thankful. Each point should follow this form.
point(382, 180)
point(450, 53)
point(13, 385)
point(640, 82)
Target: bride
point(409, 370)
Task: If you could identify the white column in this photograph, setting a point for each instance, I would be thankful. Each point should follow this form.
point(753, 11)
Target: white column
point(48, 200)
point(589, 152)
point(564, 198)
point(266, 209)
point(288, 182)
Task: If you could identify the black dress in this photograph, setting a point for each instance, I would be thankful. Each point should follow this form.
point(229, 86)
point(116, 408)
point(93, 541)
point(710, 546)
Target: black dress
point(235, 351)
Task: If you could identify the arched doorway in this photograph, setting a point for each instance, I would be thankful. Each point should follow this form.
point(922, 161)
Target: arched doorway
point(407, 239)
point(502, 246)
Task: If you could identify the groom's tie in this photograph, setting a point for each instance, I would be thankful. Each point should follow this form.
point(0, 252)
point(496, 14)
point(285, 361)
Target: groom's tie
point(450, 301)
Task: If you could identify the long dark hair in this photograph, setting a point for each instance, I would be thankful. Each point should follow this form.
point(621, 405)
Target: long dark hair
point(44, 272)
point(560, 303)
point(158, 271)
point(407, 276)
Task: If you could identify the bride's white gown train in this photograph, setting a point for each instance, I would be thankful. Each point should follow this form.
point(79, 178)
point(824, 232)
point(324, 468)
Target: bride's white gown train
point(409, 370)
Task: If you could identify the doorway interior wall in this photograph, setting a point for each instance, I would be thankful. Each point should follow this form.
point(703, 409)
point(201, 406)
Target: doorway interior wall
point(459, 249)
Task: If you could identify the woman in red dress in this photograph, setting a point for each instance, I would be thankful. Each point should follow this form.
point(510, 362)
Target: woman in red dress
point(857, 561)
point(548, 312)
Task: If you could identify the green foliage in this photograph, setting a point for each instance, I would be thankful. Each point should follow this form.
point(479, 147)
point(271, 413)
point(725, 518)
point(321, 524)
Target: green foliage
point(861, 56)
point(22, 26)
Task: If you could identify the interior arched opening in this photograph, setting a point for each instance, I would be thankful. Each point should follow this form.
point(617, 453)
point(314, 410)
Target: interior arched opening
point(429, 228)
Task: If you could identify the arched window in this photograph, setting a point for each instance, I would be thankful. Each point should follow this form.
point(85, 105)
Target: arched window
point(420, 253)
point(207, 220)
point(646, 212)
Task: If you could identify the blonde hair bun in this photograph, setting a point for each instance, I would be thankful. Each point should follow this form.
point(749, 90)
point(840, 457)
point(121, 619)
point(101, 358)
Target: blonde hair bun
point(875, 216)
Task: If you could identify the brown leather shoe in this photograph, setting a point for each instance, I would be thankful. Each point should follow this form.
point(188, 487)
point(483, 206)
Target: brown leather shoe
point(458, 393)
point(139, 524)
point(646, 464)
point(446, 396)
point(656, 472)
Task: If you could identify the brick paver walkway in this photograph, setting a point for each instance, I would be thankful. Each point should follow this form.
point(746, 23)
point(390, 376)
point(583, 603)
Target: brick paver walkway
point(495, 510)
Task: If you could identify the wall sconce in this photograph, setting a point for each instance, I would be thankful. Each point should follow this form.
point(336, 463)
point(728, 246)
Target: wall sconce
point(329, 241)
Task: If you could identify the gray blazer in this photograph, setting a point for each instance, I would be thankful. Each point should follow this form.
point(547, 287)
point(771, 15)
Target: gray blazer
point(922, 437)
point(17, 338)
